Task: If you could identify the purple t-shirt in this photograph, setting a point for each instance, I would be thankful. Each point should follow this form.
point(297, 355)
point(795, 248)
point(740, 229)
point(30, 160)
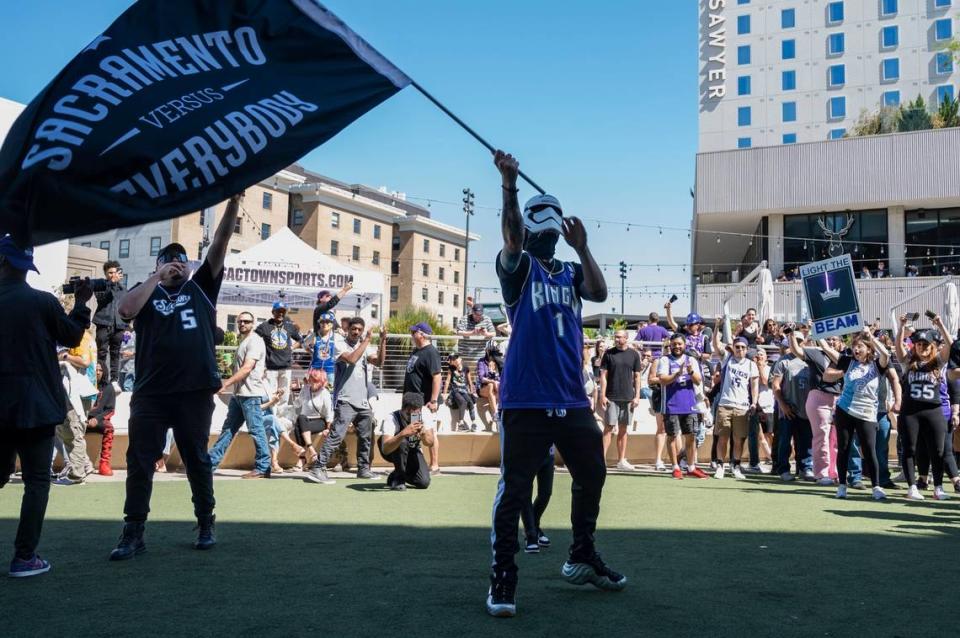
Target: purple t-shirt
point(679, 397)
point(653, 332)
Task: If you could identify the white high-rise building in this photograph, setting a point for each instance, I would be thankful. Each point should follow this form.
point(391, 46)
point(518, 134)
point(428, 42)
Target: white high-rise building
point(786, 71)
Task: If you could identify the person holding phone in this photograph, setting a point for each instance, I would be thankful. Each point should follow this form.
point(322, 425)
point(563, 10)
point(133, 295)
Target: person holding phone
point(401, 442)
point(736, 401)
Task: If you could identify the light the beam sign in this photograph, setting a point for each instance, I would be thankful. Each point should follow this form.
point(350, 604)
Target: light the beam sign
point(177, 106)
point(831, 293)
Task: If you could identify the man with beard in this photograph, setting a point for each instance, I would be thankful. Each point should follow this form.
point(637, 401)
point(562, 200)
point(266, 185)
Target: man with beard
point(542, 395)
point(278, 334)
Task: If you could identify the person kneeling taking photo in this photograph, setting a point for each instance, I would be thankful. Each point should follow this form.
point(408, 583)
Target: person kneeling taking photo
point(402, 448)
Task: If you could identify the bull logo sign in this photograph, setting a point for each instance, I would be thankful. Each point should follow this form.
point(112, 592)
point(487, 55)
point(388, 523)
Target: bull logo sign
point(831, 292)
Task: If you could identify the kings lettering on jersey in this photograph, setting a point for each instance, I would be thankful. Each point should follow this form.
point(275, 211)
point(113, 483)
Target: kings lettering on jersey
point(543, 293)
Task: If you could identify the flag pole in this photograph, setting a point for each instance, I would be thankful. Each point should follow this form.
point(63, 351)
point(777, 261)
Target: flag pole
point(469, 130)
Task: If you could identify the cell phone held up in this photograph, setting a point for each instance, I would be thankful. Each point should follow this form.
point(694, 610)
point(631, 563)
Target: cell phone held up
point(673, 298)
point(913, 316)
point(931, 315)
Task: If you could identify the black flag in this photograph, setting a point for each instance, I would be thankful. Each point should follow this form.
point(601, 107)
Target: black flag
point(178, 105)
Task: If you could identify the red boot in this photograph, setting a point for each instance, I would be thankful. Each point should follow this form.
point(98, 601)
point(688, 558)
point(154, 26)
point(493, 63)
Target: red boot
point(106, 450)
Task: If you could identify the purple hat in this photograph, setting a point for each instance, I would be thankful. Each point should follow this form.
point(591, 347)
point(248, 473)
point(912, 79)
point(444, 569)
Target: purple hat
point(323, 293)
point(742, 340)
point(423, 327)
point(19, 258)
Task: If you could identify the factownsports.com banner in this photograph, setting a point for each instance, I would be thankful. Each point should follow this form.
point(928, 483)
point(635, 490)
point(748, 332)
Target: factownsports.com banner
point(831, 293)
point(178, 105)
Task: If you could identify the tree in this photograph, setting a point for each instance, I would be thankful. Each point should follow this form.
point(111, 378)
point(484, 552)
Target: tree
point(400, 323)
point(875, 122)
point(914, 116)
point(948, 115)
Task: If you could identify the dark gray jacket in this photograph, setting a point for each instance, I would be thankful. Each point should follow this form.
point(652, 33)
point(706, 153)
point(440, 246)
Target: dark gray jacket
point(32, 323)
point(108, 304)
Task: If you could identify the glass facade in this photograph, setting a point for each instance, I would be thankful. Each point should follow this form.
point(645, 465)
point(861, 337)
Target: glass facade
point(940, 228)
point(865, 240)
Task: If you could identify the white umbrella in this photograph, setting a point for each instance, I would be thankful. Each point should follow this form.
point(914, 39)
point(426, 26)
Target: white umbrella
point(951, 309)
point(765, 304)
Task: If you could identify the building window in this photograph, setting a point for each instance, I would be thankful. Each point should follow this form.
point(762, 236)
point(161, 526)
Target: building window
point(788, 80)
point(743, 116)
point(743, 1)
point(835, 12)
point(394, 267)
point(203, 216)
point(835, 44)
point(944, 92)
point(944, 63)
point(837, 133)
point(838, 108)
point(930, 236)
point(154, 246)
point(789, 138)
point(865, 240)
point(231, 323)
point(374, 311)
point(743, 85)
point(234, 251)
point(891, 98)
point(425, 294)
point(376, 258)
point(426, 246)
point(440, 273)
point(394, 293)
point(789, 112)
point(376, 231)
point(743, 54)
point(788, 18)
point(836, 75)
point(456, 254)
point(105, 245)
point(788, 49)
point(743, 25)
point(268, 201)
point(395, 243)
point(890, 37)
point(355, 253)
point(356, 227)
point(943, 29)
point(443, 250)
point(440, 298)
point(124, 249)
point(334, 220)
point(334, 248)
point(743, 142)
point(86, 244)
point(456, 276)
point(941, 3)
point(199, 251)
point(456, 301)
point(890, 70)
point(238, 226)
point(264, 231)
point(425, 270)
point(888, 8)
point(298, 217)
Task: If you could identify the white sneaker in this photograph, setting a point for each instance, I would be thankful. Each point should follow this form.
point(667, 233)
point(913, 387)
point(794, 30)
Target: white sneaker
point(786, 477)
point(713, 465)
point(738, 473)
point(808, 475)
point(826, 481)
point(719, 473)
point(683, 465)
point(765, 469)
point(879, 494)
point(626, 467)
point(842, 491)
point(660, 467)
point(913, 494)
point(755, 469)
point(939, 494)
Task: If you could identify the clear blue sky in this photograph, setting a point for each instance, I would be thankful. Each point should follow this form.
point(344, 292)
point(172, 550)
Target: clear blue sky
point(598, 101)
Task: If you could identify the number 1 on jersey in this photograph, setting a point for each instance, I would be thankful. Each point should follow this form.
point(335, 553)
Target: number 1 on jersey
point(559, 317)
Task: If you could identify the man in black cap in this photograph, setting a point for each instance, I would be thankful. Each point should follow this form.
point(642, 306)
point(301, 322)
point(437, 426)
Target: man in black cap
point(176, 378)
point(110, 326)
point(423, 376)
point(476, 325)
point(31, 395)
point(327, 302)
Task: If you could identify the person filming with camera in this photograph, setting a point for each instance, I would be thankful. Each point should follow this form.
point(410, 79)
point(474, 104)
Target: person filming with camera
point(110, 325)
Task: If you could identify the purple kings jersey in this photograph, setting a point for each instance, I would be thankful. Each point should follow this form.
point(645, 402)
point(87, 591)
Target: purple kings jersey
point(679, 397)
point(544, 362)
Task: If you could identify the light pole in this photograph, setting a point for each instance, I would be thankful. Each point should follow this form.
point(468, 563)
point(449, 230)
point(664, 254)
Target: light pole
point(468, 213)
point(623, 281)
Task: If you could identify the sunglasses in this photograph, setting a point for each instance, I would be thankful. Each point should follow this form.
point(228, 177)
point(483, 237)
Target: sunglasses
point(739, 347)
point(244, 321)
point(166, 259)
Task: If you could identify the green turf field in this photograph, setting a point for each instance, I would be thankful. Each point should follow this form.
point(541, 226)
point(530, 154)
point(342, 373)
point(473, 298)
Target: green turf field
point(754, 558)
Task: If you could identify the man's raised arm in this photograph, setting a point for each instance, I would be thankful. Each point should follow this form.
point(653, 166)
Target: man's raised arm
point(511, 221)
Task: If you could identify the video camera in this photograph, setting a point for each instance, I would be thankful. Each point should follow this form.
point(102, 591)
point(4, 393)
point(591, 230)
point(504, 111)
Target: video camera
point(97, 285)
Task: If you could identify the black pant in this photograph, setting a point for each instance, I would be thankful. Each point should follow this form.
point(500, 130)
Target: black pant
point(189, 415)
point(34, 446)
point(343, 415)
point(925, 428)
point(463, 401)
point(409, 466)
point(109, 338)
point(847, 426)
point(533, 511)
point(949, 457)
point(525, 439)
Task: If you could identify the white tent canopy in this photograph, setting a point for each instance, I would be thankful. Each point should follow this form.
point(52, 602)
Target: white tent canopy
point(284, 265)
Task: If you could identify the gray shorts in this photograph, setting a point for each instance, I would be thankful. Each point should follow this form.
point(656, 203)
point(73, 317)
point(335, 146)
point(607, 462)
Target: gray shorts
point(677, 424)
point(618, 413)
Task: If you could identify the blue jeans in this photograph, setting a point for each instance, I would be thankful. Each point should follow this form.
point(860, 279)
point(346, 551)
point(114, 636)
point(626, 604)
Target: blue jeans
point(883, 446)
point(796, 431)
point(272, 428)
point(239, 410)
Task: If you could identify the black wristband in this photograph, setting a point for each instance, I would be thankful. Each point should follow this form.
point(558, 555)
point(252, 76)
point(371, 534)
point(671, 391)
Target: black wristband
point(510, 190)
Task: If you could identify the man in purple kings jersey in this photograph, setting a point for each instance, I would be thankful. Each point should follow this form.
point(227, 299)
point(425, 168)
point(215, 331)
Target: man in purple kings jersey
point(541, 391)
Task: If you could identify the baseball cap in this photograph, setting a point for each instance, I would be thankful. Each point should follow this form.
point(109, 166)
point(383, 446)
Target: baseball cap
point(930, 336)
point(423, 327)
point(452, 356)
point(323, 293)
point(19, 258)
point(477, 306)
point(328, 316)
point(279, 305)
point(172, 252)
point(741, 340)
point(694, 318)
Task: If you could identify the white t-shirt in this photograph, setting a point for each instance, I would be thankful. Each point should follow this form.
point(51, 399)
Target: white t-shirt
point(735, 385)
point(253, 347)
point(766, 399)
point(319, 404)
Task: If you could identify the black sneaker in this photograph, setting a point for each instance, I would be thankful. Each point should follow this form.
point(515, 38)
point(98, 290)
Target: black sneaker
point(921, 484)
point(131, 542)
point(397, 487)
point(502, 597)
point(593, 571)
point(318, 475)
point(205, 537)
point(889, 485)
point(532, 547)
point(542, 539)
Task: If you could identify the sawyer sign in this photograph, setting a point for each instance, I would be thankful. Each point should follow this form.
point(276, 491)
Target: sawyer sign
point(178, 105)
point(831, 292)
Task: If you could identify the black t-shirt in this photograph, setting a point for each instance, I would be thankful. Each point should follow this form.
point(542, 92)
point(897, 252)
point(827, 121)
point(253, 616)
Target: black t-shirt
point(621, 366)
point(421, 366)
point(750, 333)
point(278, 337)
point(511, 283)
point(818, 362)
point(175, 337)
point(921, 387)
